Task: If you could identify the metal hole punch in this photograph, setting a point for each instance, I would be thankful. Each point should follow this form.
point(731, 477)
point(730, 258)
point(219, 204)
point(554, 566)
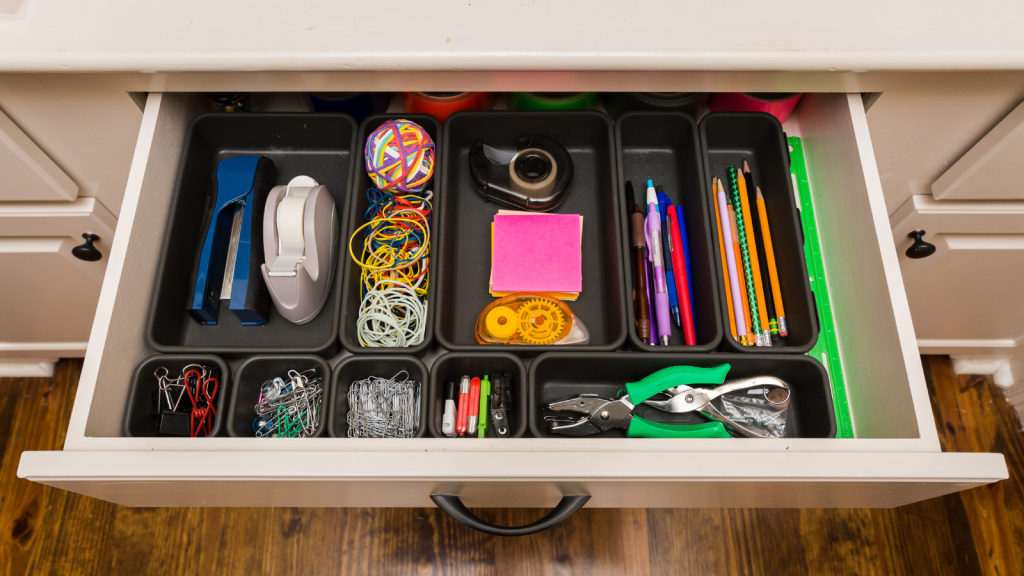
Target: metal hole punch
point(751, 407)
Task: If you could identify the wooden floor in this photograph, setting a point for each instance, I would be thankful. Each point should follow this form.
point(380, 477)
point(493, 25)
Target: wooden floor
point(48, 531)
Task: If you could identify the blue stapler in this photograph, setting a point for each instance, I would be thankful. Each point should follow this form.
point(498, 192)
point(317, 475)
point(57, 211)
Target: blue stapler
point(229, 264)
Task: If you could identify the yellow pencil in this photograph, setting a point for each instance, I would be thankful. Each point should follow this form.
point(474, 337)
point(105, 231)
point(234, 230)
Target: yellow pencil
point(725, 267)
point(773, 273)
point(765, 338)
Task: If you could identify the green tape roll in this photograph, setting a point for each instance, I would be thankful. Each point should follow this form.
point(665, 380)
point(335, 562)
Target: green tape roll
point(552, 101)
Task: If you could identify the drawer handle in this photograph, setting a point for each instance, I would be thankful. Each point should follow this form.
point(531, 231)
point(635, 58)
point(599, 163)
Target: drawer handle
point(453, 506)
point(920, 248)
point(87, 251)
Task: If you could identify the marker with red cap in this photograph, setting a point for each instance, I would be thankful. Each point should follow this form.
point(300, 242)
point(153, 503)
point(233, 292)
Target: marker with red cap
point(474, 404)
point(462, 419)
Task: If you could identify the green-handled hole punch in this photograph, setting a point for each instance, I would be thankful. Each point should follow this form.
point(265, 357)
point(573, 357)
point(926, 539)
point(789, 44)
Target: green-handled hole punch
point(677, 382)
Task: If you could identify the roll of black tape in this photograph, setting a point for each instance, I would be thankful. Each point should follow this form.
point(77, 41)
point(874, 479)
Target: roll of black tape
point(536, 178)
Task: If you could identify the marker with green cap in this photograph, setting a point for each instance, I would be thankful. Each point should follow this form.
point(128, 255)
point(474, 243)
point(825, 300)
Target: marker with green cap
point(485, 393)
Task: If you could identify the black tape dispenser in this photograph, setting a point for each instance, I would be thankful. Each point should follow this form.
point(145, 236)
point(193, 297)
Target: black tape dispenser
point(536, 178)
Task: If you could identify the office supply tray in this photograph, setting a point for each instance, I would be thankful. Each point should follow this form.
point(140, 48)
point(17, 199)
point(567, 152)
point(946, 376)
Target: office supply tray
point(359, 367)
point(351, 295)
point(249, 378)
point(316, 145)
point(464, 240)
point(451, 367)
point(729, 138)
point(139, 419)
point(665, 147)
point(560, 375)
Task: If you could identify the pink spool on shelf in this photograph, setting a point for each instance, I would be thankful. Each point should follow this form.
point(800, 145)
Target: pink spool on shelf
point(777, 104)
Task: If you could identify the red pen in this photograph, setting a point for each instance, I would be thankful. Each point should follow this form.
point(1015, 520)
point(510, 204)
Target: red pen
point(474, 404)
point(462, 419)
point(682, 286)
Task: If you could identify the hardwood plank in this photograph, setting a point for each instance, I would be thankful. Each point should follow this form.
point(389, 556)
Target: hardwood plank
point(48, 531)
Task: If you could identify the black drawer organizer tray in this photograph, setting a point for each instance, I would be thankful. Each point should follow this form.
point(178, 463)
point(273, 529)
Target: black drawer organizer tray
point(729, 138)
point(464, 245)
point(316, 145)
point(665, 147)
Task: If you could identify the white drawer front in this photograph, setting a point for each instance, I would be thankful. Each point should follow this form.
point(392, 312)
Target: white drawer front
point(895, 459)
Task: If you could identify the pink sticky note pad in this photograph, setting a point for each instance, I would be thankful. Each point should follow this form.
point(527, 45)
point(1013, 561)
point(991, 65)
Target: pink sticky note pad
point(537, 253)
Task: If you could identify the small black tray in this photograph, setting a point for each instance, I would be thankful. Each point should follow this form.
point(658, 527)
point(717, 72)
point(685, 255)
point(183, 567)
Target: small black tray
point(251, 375)
point(665, 147)
point(139, 420)
point(451, 367)
point(350, 298)
point(729, 138)
point(355, 368)
point(464, 239)
point(558, 375)
point(316, 145)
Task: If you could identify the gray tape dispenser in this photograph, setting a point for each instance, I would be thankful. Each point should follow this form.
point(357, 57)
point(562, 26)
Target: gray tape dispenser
point(300, 236)
point(536, 178)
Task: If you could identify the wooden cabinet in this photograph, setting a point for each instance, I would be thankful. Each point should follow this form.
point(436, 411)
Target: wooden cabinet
point(967, 294)
point(49, 295)
point(65, 152)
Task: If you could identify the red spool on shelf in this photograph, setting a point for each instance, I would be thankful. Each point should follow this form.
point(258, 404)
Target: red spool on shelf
point(441, 105)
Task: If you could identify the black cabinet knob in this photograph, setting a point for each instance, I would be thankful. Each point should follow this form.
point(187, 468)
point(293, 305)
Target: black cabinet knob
point(89, 253)
point(920, 248)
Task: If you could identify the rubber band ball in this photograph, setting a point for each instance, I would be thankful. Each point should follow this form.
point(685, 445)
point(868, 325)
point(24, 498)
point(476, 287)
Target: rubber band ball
point(400, 157)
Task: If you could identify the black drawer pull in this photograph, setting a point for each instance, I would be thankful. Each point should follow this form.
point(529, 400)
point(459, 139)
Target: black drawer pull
point(453, 506)
point(920, 248)
point(87, 251)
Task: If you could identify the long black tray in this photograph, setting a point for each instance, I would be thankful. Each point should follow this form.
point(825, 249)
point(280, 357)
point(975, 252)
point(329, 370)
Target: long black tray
point(464, 239)
point(316, 145)
point(351, 296)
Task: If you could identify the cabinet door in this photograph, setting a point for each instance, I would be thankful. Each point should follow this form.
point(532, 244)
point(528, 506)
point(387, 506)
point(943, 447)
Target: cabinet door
point(967, 294)
point(49, 295)
point(993, 169)
point(28, 173)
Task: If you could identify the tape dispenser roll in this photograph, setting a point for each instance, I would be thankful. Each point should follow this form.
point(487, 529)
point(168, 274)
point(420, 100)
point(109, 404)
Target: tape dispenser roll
point(536, 178)
point(300, 239)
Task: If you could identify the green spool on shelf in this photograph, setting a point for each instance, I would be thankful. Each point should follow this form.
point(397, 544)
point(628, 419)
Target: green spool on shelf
point(552, 100)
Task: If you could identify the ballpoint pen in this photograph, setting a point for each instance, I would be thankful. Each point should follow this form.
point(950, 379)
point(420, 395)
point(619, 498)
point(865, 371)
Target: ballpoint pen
point(682, 283)
point(641, 311)
point(652, 338)
point(664, 205)
point(653, 229)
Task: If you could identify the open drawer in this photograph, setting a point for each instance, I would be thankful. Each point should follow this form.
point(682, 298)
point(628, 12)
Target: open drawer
point(894, 459)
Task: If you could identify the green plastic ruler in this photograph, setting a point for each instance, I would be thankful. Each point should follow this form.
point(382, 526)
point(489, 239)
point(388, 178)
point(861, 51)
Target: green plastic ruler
point(826, 350)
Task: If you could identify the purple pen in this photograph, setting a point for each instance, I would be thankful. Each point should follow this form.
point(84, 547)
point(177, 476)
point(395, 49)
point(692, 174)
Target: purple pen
point(652, 227)
point(653, 338)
